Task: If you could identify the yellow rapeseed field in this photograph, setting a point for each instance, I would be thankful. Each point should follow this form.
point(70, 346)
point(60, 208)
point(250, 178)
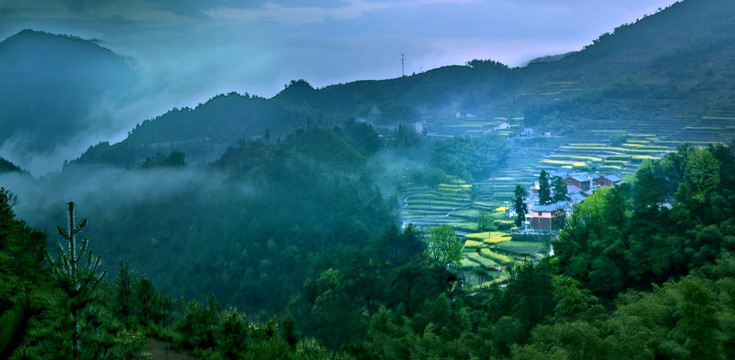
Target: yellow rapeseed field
point(472, 243)
point(495, 256)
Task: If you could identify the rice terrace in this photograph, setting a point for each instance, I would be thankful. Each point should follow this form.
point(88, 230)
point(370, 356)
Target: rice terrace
point(367, 179)
point(597, 146)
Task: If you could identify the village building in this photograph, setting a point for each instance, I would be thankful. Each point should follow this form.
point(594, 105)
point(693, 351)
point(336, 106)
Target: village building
point(608, 180)
point(582, 180)
point(577, 198)
point(534, 188)
point(573, 189)
point(552, 217)
point(501, 126)
point(549, 217)
point(527, 132)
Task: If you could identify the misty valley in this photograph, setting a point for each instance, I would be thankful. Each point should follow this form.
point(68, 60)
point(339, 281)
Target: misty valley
point(581, 206)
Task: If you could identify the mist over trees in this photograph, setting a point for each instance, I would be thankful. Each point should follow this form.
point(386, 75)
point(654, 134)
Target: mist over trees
point(270, 228)
point(469, 157)
point(68, 86)
point(630, 277)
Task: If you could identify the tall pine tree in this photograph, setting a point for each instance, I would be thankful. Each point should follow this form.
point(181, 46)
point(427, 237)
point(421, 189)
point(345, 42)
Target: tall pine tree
point(544, 189)
point(520, 204)
point(560, 190)
point(78, 331)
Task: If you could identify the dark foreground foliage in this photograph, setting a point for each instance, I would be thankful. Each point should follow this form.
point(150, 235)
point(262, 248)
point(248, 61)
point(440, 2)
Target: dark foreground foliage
point(644, 271)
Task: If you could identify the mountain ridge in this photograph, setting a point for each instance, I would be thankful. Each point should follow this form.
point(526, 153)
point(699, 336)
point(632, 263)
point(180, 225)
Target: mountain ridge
point(66, 85)
point(648, 71)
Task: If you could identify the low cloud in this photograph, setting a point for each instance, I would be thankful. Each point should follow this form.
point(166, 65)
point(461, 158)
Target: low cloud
point(133, 11)
point(299, 15)
point(188, 51)
point(104, 190)
point(295, 15)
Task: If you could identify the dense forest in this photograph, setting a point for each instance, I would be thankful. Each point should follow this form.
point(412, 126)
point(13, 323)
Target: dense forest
point(247, 227)
point(250, 226)
point(642, 270)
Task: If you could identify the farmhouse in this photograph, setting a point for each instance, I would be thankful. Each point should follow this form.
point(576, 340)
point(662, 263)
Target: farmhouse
point(608, 180)
point(501, 126)
point(582, 180)
point(550, 217)
point(573, 189)
point(576, 198)
point(527, 132)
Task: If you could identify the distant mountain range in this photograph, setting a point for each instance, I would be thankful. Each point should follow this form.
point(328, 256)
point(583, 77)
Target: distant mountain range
point(54, 89)
point(674, 64)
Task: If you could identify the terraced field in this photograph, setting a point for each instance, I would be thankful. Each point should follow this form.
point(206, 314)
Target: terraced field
point(599, 146)
point(486, 254)
point(425, 207)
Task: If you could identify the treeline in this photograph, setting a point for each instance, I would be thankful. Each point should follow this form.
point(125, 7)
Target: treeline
point(247, 227)
point(250, 226)
point(469, 157)
point(644, 270)
point(666, 296)
point(677, 215)
point(56, 305)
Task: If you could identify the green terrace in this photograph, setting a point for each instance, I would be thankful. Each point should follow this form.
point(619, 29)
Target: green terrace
point(489, 254)
point(600, 147)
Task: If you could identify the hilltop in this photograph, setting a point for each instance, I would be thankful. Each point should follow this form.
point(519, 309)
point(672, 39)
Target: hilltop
point(349, 216)
point(668, 71)
point(55, 90)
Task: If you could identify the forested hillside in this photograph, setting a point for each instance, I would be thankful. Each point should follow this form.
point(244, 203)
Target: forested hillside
point(372, 220)
point(7, 166)
point(67, 86)
point(673, 64)
point(668, 71)
point(643, 270)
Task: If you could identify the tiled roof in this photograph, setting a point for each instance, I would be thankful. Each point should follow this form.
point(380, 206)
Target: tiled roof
point(577, 198)
point(613, 178)
point(550, 207)
point(581, 177)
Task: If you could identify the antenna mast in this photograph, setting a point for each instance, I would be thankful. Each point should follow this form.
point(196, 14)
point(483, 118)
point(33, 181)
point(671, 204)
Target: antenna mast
point(403, 71)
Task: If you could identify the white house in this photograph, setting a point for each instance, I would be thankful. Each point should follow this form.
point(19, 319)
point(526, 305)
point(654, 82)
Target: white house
point(501, 126)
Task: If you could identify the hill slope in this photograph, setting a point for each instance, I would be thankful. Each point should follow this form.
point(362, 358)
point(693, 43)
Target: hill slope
point(51, 84)
point(669, 71)
point(202, 133)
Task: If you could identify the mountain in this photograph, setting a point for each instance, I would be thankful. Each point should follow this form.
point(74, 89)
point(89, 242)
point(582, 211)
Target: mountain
point(682, 52)
point(292, 222)
point(202, 134)
point(52, 84)
point(667, 71)
point(678, 59)
point(7, 166)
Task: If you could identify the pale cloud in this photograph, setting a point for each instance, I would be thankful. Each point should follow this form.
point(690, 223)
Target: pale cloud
point(351, 9)
point(187, 51)
point(134, 11)
point(294, 15)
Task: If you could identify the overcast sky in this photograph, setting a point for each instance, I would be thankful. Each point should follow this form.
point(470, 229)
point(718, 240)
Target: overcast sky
point(187, 51)
point(200, 48)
